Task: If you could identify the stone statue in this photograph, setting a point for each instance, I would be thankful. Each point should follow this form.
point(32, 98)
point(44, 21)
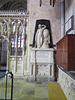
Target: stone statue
point(42, 38)
point(39, 35)
point(46, 39)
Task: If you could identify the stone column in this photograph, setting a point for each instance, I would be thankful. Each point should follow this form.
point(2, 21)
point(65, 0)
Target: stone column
point(16, 47)
point(8, 47)
point(24, 33)
point(23, 54)
point(62, 18)
point(27, 5)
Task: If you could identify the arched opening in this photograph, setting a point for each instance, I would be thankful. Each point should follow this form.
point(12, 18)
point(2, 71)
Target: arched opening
point(3, 55)
point(14, 22)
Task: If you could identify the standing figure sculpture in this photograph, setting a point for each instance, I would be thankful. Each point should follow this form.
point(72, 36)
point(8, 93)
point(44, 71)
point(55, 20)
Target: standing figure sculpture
point(42, 39)
point(46, 39)
point(39, 35)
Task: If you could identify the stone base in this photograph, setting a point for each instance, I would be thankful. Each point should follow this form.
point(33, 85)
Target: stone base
point(32, 78)
point(44, 79)
point(41, 79)
point(18, 76)
point(42, 64)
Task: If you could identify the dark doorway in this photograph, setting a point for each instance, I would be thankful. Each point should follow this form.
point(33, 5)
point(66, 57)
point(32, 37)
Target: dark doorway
point(3, 56)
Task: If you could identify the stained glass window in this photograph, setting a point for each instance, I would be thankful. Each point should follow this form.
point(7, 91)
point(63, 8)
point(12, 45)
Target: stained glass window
point(20, 44)
point(17, 40)
point(13, 44)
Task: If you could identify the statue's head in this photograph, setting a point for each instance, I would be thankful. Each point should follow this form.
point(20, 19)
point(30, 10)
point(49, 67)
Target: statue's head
point(39, 26)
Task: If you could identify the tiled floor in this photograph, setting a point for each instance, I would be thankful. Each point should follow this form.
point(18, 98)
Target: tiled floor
point(24, 90)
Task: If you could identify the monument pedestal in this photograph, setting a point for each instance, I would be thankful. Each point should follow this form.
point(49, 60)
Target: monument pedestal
point(42, 64)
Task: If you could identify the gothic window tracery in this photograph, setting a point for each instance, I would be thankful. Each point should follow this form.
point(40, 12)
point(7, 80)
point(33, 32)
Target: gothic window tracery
point(17, 38)
point(13, 44)
point(13, 31)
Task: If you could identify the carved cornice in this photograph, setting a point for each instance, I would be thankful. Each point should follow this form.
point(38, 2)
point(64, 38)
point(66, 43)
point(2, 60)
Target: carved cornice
point(15, 13)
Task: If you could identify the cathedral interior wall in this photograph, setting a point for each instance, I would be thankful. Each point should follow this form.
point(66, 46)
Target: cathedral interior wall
point(70, 11)
point(45, 12)
point(48, 12)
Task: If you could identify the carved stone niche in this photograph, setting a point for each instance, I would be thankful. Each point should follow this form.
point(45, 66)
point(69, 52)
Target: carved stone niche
point(42, 59)
point(44, 26)
point(42, 64)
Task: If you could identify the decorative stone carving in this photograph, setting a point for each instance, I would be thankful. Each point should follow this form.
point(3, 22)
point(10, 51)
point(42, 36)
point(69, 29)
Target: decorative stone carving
point(39, 35)
point(67, 84)
point(42, 37)
point(46, 39)
point(42, 64)
point(42, 61)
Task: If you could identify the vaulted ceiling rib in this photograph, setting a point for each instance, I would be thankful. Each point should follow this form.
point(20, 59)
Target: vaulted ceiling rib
point(14, 5)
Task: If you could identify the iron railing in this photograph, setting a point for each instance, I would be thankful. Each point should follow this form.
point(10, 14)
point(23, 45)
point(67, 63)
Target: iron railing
point(9, 74)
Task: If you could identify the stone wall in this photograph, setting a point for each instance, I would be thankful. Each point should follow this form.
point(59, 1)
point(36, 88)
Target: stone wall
point(42, 64)
point(67, 84)
point(69, 11)
point(44, 12)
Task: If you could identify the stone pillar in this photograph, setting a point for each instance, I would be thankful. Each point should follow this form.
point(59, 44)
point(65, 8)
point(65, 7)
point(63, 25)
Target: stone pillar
point(16, 46)
point(62, 18)
point(8, 47)
point(27, 5)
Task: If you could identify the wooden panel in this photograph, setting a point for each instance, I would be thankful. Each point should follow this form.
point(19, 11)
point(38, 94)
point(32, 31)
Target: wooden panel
point(71, 52)
point(62, 52)
point(65, 55)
